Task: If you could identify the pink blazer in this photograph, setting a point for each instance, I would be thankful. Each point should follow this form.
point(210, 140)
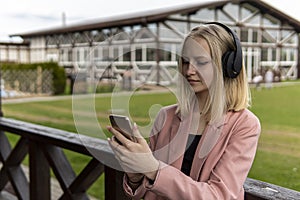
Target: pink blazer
point(221, 164)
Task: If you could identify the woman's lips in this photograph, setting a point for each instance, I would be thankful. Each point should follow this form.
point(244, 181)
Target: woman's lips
point(192, 81)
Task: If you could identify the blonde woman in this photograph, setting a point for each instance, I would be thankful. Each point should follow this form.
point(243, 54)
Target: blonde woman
point(202, 147)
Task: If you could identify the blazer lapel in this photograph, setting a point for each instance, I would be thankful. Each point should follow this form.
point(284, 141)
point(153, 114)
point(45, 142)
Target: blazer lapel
point(177, 141)
point(209, 139)
point(178, 138)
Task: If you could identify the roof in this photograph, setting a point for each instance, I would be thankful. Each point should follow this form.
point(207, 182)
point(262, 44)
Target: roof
point(152, 16)
point(14, 43)
point(267, 8)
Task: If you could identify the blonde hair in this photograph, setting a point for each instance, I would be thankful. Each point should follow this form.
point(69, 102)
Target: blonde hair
point(225, 94)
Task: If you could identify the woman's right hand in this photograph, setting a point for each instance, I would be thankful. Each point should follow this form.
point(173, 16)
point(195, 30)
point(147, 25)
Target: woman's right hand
point(134, 177)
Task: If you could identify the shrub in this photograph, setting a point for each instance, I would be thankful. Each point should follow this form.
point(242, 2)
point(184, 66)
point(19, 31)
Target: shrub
point(59, 76)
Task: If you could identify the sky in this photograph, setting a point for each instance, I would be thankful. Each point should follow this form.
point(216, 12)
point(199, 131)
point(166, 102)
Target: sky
point(18, 16)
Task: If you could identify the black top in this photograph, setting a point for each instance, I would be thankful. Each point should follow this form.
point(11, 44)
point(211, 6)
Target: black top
point(189, 154)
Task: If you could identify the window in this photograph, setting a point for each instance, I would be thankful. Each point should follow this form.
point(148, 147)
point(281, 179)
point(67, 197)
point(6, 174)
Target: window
point(150, 54)
point(70, 55)
point(126, 54)
point(138, 54)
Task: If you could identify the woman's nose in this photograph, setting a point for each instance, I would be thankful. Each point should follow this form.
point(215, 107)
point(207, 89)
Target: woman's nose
point(191, 69)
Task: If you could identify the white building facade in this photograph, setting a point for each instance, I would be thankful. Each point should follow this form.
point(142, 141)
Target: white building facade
point(149, 43)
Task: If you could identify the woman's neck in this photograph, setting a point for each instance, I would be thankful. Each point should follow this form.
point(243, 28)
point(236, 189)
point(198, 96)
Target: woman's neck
point(202, 97)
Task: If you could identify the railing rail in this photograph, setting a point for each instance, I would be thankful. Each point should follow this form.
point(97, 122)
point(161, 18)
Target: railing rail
point(45, 146)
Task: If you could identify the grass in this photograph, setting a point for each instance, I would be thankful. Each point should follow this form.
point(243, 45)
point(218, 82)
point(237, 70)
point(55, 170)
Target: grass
point(58, 114)
point(278, 156)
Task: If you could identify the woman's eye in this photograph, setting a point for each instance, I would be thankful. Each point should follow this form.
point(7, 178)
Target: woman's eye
point(184, 61)
point(202, 63)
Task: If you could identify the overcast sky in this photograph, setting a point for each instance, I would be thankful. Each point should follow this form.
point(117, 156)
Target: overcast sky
point(18, 16)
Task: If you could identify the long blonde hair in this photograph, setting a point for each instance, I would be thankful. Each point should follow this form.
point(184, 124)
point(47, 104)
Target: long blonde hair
point(225, 94)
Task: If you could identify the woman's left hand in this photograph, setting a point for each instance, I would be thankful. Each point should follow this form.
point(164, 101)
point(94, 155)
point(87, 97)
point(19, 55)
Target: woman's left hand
point(134, 157)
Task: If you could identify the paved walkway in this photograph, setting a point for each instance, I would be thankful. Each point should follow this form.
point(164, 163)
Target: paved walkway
point(65, 97)
point(276, 84)
point(151, 90)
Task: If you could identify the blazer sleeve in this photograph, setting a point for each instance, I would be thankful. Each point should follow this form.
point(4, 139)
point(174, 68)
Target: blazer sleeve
point(227, 176)
point(141, 190)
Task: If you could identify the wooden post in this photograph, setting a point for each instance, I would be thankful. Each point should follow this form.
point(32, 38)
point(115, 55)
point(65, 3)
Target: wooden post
point(114, 184)
point(5, 149)
point(11, 170)
point(39, 173)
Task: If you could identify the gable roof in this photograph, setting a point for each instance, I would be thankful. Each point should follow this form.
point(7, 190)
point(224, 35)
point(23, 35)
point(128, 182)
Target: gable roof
point(152, 16)
point(267, 8)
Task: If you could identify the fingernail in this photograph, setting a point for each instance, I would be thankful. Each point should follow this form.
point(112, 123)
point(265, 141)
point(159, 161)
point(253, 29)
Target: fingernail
point(134, 125)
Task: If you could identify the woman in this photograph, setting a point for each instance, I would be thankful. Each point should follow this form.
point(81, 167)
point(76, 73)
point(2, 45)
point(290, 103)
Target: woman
point(202, 147)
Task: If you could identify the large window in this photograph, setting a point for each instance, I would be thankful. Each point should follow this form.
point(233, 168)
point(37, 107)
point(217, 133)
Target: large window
point(105, 53)
point(70, 55)
point(151, 54)
point(126, 54)
point(116, 53)
point(166, 52)
point(138, 54)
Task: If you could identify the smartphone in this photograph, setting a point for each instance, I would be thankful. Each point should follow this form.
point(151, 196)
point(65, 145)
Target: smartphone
point(123, 125)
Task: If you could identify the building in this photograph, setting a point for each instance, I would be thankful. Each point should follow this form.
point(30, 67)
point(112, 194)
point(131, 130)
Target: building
point(15, 52)
point(149, 42)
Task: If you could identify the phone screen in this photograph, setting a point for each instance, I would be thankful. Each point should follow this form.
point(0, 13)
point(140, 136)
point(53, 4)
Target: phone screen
point(122, 124)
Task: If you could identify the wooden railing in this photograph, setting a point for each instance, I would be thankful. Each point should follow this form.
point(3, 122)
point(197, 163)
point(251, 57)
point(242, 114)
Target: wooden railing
point(45, 146)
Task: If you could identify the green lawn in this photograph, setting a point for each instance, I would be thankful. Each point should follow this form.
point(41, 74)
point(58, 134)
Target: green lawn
point(278, 155)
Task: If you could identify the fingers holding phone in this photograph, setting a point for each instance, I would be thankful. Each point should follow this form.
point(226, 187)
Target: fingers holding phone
point(117, 137)
point(123, 128)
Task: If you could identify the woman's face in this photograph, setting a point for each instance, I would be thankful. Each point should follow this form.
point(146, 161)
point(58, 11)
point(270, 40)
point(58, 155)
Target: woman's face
point(197, 64)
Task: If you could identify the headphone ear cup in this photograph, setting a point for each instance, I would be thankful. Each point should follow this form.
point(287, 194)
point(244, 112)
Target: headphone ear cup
point(228, 62)
point(232, 61)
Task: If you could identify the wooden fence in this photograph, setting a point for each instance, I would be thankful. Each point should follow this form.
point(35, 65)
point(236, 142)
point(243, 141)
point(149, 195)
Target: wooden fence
point(25, 82)
point(45, 146)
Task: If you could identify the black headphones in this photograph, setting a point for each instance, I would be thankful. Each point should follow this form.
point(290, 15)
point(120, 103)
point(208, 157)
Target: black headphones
point(231, 60)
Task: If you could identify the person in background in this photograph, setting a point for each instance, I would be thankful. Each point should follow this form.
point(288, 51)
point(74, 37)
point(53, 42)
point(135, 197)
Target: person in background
point(257, 79)
point(127, 79)
point(269, 76)
point(203, 146)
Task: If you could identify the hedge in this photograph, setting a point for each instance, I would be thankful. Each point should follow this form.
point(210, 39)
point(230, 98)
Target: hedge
point(59, 76)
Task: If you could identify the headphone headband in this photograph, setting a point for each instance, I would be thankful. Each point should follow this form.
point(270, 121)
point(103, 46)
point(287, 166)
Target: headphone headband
point(231, 60)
